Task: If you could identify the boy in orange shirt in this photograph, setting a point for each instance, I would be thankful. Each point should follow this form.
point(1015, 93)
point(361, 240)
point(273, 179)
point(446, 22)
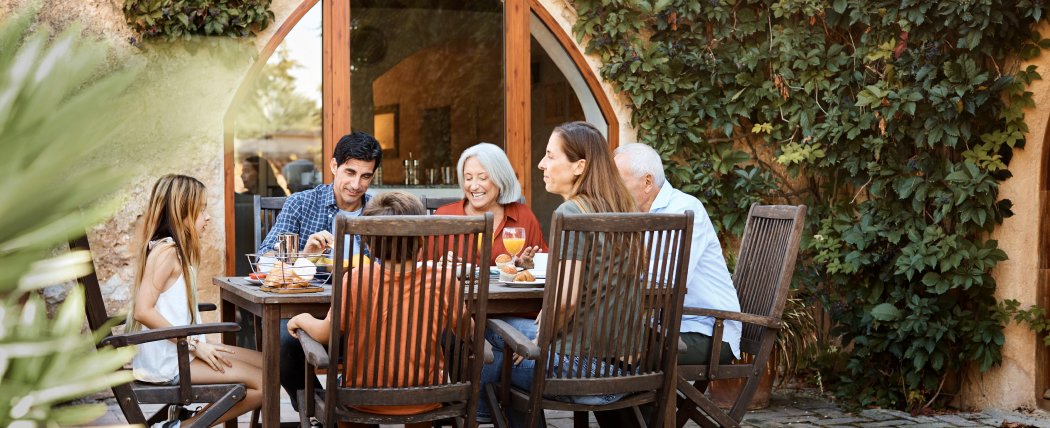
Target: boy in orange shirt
point(415, 291)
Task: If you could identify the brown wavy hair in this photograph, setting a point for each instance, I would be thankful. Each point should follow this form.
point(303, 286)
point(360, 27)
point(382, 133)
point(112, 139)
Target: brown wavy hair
point(174, 205)
point(599, 189)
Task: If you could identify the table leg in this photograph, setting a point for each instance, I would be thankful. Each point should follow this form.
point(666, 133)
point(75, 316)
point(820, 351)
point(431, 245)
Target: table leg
point(271, 399)
point(227, 312)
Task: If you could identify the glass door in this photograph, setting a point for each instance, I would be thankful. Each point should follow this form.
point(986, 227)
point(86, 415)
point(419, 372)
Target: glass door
point(427, 80)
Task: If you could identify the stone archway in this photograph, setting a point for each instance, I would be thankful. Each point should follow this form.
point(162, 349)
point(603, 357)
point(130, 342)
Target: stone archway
point(1024, 375)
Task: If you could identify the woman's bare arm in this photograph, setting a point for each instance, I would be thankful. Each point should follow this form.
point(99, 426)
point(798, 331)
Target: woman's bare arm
point(162, 270)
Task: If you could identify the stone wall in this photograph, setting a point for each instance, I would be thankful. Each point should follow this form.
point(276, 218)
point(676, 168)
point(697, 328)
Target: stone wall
point(1021, 379)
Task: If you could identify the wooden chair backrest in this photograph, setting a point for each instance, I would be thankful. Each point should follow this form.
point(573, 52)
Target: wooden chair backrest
point(635, 328)
point(766, 264)
point(266, 211)
point(432, 204)
point(95, 303)
point(431, 322)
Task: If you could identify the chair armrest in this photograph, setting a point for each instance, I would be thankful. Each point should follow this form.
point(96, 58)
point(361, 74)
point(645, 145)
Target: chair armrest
point(520, 344)
point(206, 307)
point(682, 349)
point(136, 338)
point(315, 353)
point(489, 356)
point(735, 316)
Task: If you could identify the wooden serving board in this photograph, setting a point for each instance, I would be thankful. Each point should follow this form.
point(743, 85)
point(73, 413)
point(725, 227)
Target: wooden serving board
point(291, 290)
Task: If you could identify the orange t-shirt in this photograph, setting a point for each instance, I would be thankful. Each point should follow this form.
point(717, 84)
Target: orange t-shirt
point(514, 215)
point(412, 302)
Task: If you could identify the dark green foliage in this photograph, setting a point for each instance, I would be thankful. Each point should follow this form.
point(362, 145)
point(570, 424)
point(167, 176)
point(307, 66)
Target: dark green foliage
point(894, 121)
point(173, 20)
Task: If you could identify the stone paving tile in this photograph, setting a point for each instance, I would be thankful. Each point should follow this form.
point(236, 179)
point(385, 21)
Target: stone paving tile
point(787, 410)
point(877, 414)
point(957, 421)
point(789, 419)
point(889, 423)
point(791, 411)
point(839, 421)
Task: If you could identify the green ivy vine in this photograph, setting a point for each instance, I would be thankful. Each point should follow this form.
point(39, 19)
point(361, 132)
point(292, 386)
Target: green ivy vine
point(188, 20)
point(894, 121)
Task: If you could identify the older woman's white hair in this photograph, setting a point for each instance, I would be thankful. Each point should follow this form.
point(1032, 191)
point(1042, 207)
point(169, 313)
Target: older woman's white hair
point(643, 160)
point(495, 161)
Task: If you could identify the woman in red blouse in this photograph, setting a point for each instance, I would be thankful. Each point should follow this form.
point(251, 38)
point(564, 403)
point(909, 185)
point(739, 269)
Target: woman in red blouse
point(489, 186)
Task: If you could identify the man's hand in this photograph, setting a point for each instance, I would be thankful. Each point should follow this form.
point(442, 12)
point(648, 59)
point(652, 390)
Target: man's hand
point(525, 261)
point(319, 242)
point(211, 356)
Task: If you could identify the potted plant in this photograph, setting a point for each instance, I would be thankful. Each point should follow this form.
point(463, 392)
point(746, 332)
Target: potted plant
point(794, 342)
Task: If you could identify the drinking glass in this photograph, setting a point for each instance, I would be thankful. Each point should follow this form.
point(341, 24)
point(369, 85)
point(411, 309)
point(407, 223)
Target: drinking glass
point(514, 239)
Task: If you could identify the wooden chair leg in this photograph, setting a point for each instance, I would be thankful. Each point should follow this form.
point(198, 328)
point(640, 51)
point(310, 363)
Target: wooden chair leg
point(499, 420)
point(254, 421)
point(208, 416)
point(709, 408)
point(129, 405)
point(580, 419)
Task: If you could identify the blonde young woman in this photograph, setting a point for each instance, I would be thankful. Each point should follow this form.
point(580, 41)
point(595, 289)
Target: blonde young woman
point(165, 295)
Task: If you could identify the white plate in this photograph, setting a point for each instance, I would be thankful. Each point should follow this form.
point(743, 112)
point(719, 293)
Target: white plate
point(253, 281)
point(530, 284)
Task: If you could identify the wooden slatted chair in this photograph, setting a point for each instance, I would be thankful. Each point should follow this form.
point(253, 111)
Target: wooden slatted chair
point(432, 204)
point(266, 211)
point(131, 395)
point(768, 251)
point(434, 325)
point(635, 334)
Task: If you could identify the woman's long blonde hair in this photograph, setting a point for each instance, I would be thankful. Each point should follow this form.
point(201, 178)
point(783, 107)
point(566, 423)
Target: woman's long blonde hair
point(174, 205)
point(600, 186)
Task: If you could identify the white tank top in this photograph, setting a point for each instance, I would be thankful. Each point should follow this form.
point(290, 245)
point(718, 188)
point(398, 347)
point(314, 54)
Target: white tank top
point(158, 362)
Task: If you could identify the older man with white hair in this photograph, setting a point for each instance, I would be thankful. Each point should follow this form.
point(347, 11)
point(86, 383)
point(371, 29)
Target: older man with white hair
point(708, 281)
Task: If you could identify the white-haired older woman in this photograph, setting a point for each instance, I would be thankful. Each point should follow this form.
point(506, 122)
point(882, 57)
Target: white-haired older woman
point(489, 186)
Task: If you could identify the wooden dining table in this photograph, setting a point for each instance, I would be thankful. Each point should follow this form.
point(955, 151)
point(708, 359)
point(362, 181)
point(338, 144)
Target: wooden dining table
point(270, 308)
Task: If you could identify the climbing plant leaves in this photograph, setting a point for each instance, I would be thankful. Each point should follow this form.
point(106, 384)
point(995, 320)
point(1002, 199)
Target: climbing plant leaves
point(894, 121)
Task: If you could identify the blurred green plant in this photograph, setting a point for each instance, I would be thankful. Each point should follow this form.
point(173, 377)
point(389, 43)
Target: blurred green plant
point(54, 100)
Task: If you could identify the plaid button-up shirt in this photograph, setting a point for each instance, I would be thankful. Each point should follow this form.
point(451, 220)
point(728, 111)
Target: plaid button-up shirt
point(306, 213)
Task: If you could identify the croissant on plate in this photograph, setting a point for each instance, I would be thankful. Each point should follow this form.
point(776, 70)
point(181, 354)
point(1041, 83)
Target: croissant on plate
point(524, 276)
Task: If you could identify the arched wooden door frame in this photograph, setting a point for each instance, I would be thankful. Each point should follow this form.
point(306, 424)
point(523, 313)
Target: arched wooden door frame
point(336, 90)
point(228, 122)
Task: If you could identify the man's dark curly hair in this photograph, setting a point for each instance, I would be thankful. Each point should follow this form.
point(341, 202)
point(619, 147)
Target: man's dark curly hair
point(358, 145)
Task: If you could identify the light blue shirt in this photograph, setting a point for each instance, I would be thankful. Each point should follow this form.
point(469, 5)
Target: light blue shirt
point(709, 283)
point(356, 240)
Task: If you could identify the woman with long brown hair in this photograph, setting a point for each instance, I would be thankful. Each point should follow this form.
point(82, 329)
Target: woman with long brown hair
point(578, 165)
point(164, 294)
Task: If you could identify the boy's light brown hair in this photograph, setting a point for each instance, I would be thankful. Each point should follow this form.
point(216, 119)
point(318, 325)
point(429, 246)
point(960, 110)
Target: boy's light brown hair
point(397, 202)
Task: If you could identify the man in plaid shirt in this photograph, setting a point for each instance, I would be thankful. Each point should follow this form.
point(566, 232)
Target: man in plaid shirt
point(312, 213)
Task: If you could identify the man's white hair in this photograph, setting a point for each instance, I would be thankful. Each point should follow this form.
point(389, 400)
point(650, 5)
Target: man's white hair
point(495, 162)
point(642, 160)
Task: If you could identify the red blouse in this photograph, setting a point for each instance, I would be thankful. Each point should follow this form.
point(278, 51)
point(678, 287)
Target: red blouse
point(514, 215)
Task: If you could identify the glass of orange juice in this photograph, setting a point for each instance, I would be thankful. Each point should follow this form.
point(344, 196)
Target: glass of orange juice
point(514, 239)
